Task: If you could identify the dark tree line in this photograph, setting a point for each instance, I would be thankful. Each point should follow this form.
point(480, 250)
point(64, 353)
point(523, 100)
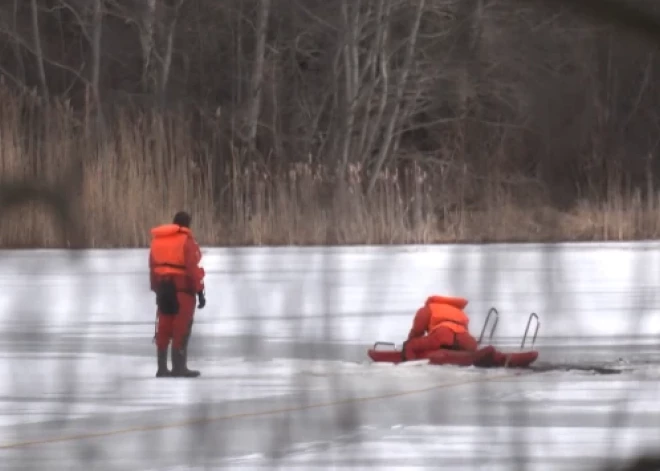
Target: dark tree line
point(507, 91)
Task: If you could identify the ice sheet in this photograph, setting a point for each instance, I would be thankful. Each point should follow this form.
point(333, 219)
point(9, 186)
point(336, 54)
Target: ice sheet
point(78, 364)
point(591, 290)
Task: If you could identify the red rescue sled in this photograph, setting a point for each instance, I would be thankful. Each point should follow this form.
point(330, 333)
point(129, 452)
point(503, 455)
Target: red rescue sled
point(485, 357)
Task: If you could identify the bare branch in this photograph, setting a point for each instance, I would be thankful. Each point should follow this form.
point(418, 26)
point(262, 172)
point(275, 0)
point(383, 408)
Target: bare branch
point(256, 82)
point(39, 56)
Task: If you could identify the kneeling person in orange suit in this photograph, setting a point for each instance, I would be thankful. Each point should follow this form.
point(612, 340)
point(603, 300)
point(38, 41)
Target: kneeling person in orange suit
point(440, 323)
point(177, 279)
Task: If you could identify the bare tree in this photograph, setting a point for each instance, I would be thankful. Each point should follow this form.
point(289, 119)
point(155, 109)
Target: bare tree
point(389, 141)
point(147, 41)
point(372, 82)
point(36, 38)
point(256, 81)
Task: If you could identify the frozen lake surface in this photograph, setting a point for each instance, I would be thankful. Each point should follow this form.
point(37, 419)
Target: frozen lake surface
point(285, 380)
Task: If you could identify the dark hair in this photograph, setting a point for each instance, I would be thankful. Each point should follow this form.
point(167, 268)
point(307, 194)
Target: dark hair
point(182, 219)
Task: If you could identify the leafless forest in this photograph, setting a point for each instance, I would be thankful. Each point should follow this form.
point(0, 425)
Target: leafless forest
point(315, 122)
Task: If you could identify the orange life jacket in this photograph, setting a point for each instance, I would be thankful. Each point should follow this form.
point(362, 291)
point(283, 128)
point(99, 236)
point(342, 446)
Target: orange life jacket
point(167, 251)
point(447, 312)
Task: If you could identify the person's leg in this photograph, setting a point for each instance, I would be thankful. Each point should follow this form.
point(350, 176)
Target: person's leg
point(419, 347)
point(163, 335)
point(182, 325)
point(464, 341)
point(167, 303)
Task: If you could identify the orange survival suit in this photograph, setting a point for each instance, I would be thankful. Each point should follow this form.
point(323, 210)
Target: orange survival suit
point(176, 278)
point(439, 323)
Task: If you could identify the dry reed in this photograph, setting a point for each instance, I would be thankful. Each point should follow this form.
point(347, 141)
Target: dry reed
point(147, 167)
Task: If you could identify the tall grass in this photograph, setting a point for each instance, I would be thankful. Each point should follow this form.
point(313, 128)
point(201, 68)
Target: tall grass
point(146, 167)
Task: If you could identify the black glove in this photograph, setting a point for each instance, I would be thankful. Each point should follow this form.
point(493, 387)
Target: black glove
point(202, 300)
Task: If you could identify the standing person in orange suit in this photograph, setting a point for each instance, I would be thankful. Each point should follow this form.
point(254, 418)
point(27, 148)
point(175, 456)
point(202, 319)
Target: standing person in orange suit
point(177, 279)
point(439, 323)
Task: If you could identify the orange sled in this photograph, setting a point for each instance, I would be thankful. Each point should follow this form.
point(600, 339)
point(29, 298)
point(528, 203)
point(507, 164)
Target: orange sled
point(485, 357)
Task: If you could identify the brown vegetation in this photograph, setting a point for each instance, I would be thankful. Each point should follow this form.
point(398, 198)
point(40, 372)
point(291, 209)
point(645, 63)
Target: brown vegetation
point(364, 121)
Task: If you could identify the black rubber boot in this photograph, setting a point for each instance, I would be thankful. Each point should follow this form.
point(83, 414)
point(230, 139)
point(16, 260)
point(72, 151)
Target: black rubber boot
point(162, 372)
point(179, 367)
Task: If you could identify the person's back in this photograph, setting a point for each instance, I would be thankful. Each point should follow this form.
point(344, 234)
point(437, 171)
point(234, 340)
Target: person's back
point(177, 279)
point(440, 323)
point(174, 256)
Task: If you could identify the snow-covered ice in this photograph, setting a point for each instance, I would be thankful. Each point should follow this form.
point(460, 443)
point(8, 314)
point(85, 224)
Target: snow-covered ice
point(285, 380)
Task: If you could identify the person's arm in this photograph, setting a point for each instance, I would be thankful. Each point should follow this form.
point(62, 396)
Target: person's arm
point(152, 275)
point(420, 322)
point(194, 272)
